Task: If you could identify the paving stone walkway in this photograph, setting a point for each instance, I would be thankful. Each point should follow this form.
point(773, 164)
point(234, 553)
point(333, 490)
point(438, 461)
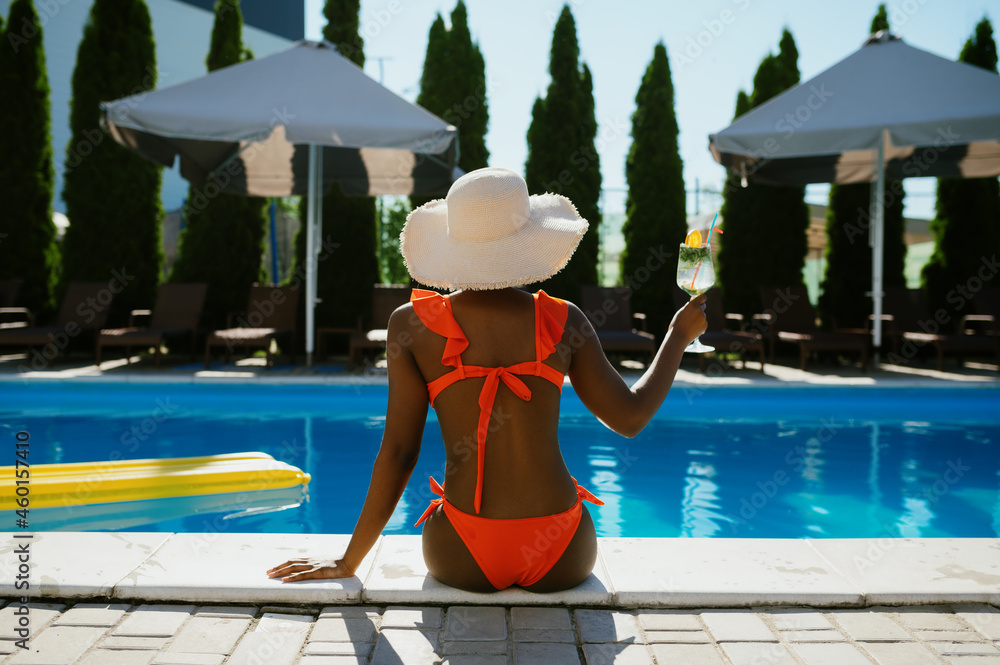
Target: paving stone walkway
point(88, 633)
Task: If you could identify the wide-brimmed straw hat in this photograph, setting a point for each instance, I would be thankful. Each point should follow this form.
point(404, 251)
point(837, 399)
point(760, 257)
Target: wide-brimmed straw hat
point(489, 234)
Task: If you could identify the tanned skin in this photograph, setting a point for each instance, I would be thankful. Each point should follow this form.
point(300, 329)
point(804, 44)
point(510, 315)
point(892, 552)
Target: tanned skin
point(525, 473)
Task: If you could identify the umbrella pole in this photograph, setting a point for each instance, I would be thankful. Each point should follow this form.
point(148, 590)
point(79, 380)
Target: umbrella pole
point(877, 241)
point(314, 218)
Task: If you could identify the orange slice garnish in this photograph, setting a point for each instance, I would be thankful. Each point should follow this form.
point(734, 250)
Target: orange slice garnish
point(693, 239)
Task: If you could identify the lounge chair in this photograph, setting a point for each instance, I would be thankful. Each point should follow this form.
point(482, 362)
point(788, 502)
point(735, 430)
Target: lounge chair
point(987, 306)
point(386, 299)
point(11, 316)
point(176, 312)
point(721, 332)
point(9, 289)
point(83, 311)
point(903, 311)
point(609, 310)
point(974, 335)
point(270, 314)
point(791, 318)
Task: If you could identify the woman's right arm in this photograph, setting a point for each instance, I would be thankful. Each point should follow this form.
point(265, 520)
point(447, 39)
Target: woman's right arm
point(406, 414)
point(627, 410)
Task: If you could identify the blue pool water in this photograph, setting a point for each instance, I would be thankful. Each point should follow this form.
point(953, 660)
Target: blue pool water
point(715, 462)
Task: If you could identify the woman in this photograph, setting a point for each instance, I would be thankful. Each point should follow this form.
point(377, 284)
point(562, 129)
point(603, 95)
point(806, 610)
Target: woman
point(491, 359)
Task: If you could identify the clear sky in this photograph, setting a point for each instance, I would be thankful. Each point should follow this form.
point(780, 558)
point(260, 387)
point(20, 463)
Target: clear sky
point(714, 47)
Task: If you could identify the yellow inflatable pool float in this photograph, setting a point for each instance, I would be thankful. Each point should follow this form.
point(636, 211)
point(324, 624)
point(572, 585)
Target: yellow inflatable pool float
point(87, 483)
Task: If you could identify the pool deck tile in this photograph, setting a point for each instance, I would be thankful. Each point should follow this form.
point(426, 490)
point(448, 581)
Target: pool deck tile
point(78, 565)
point(984, 619)
point(287, 635)
point(399, 575)
point(918, 571)
point(713, 572)
point(231, 568)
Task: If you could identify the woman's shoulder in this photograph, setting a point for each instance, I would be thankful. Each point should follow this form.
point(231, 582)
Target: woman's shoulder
point(574, 315)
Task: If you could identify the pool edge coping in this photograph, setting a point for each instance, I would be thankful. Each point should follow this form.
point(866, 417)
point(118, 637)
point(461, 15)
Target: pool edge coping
point(630, 572)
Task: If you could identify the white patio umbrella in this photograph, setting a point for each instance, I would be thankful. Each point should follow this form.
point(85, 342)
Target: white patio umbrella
point(888, 110)
point(290, 123)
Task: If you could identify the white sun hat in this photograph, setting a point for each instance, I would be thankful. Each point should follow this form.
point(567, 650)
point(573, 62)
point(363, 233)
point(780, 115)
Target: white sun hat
point(489, 234)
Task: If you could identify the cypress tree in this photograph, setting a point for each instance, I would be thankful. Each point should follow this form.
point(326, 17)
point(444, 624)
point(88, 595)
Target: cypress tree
point(880, 21)
point(112, 194)
point(344, 281)
point(27, 234)
point(469, 111)
point(765, 240)
point(435, 80)
point(848, 273)
point(561, 155)
point(453, 87)
point(966, 226)
point(223, 240)
point(655, 210)
point(741, 239)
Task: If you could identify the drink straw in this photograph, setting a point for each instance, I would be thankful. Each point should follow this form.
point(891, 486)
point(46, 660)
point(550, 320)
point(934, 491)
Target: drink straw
point(712, 227)
point(698, 267)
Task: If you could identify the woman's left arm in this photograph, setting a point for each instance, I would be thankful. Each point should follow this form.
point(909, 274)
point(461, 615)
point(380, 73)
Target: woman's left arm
point(404, 427)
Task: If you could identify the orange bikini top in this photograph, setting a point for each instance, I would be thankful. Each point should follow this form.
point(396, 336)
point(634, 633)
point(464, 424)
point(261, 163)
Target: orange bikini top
point(435, 312)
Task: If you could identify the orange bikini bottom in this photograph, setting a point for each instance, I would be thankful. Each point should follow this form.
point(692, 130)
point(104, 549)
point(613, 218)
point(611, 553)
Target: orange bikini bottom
point(514, 551)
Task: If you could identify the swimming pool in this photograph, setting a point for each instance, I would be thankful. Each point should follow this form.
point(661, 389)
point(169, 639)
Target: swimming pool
point(715, 462)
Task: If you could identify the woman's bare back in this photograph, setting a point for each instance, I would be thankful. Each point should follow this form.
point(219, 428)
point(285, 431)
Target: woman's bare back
point(524, 475)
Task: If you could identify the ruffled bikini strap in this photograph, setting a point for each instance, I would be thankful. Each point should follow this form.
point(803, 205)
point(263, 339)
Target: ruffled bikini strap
point(434, 311)
point(550, 323)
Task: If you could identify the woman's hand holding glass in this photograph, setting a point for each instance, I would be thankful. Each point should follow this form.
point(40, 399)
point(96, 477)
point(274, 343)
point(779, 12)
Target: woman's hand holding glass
point(695, 275)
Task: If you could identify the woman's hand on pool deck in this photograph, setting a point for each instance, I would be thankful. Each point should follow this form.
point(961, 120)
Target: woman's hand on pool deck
point(297, 570)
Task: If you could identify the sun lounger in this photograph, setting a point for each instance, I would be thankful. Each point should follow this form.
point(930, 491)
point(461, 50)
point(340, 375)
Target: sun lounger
point(11, 316)
point(9, 289)
point(975, 334)
point(726, 332)
point(271, 313)
point(84, 310)
point(790, 318)
point(609, 310)
point(176, 312)
point(386, 299)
